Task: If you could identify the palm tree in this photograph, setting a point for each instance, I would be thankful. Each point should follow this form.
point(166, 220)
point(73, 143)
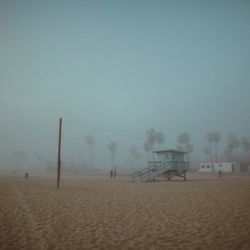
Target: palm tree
point(213, 137)
point(207, 151)
point(216, 139)
point(90, 142)
point(229, 151)
point(210, 140)
point(234, 143)
point(112, 147)
point(183, 138)
point(246, 144)
point(159, 138)
point(151, 137)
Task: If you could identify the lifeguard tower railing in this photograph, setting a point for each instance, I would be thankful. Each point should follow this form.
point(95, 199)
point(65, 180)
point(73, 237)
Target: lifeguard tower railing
point(158, 168)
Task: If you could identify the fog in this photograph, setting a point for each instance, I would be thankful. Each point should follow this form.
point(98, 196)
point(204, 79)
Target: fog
point(115, 69)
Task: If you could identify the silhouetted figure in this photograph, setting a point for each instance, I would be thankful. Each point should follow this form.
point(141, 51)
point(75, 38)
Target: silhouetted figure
point(111, 173)
point(220, 173)
point(26, 175)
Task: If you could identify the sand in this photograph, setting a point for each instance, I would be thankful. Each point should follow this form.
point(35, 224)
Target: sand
point(96, 212)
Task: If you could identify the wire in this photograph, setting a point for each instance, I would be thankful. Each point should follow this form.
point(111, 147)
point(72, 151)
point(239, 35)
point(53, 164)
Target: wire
point(105, 131)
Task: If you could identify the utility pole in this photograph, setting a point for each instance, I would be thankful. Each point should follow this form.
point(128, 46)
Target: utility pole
point(59, 153)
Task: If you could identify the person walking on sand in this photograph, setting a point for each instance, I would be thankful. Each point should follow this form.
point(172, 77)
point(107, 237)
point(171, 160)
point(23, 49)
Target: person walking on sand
point(220, 173)
point(111, 173)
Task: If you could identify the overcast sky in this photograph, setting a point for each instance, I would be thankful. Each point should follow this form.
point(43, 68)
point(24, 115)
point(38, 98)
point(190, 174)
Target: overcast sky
point(123, 66)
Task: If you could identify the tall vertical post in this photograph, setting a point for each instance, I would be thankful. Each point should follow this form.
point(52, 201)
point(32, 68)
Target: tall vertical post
point(59, 153)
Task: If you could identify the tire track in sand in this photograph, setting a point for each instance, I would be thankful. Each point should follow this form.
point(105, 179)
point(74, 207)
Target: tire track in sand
point(35, 239)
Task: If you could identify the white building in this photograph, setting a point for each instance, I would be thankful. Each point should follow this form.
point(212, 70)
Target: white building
point(208, 167)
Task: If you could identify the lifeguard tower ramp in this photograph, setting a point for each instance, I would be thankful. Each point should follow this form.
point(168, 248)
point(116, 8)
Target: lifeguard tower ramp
point(170, 163)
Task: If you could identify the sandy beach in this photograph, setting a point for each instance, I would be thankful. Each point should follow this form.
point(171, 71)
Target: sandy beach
point(96, 212)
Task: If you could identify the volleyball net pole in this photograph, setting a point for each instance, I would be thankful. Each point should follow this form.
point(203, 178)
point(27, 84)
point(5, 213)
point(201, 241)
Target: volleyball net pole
point(59, 153)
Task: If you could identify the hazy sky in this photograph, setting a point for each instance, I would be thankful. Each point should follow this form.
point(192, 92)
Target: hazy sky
point(122, 66)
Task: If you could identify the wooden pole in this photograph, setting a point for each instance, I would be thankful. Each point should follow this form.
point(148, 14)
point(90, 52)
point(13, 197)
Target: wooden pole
point(59, 153)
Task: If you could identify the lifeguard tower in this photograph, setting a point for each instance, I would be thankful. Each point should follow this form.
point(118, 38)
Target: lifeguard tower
point(170, 163)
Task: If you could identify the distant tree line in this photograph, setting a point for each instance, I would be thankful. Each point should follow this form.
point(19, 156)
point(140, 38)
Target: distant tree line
point(231, 149)
point(235, 149)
